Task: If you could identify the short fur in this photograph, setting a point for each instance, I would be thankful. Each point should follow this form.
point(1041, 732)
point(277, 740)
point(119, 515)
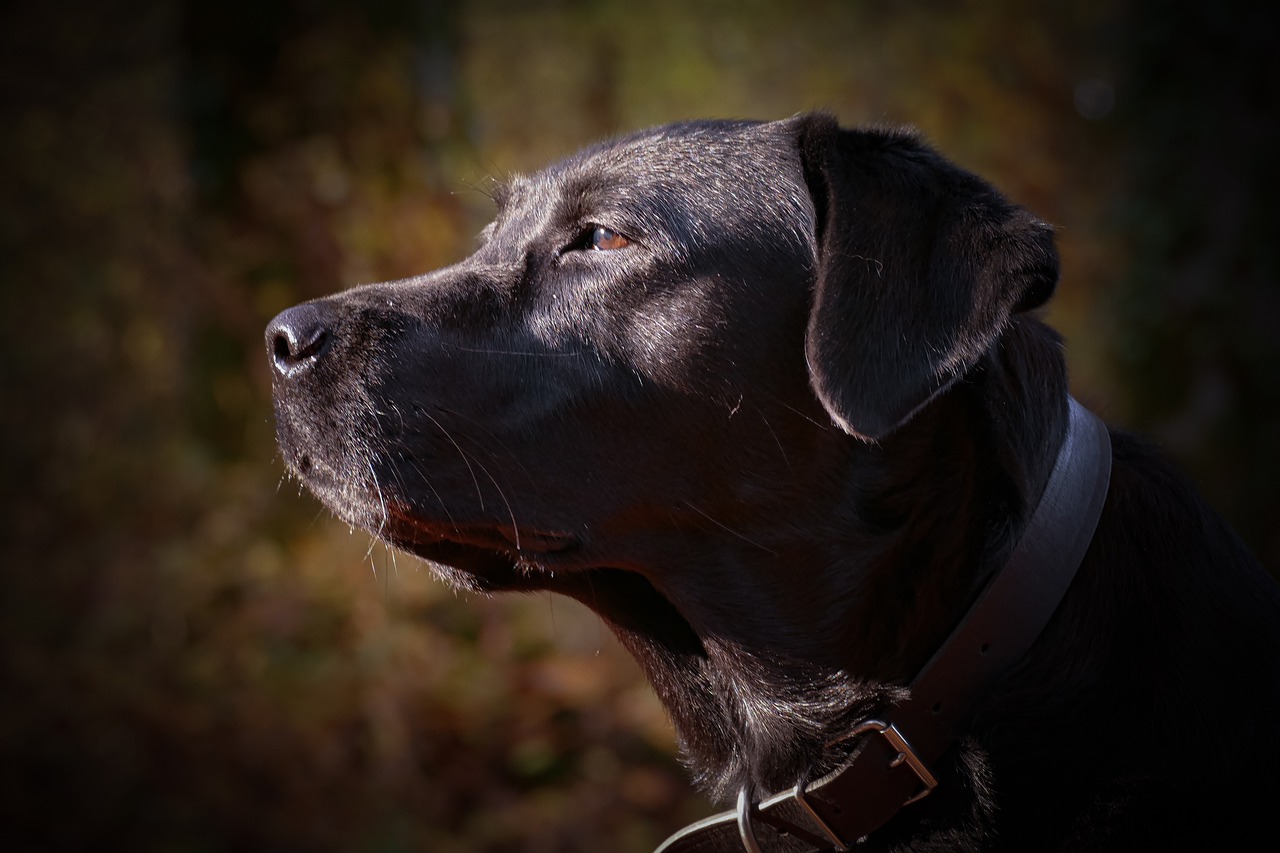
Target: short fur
point(778, 441)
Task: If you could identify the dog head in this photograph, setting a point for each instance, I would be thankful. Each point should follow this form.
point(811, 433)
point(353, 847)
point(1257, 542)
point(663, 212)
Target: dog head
point(668, 383)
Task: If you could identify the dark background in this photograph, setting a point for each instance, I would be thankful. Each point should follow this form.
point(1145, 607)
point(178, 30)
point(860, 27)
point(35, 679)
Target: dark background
point(194, 657)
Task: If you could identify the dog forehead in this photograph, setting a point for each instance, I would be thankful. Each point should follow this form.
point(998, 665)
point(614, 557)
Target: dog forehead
point(670, 151)
point(728, 169)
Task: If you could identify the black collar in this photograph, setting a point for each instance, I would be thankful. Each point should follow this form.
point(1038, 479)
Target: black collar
point(890, 767)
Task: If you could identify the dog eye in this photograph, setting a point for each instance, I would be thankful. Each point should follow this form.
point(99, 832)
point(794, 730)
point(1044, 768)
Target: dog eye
point(596, 238)
point(606, 239)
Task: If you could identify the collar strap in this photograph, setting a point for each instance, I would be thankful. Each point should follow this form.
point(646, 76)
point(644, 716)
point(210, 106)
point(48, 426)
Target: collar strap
point(889, 768)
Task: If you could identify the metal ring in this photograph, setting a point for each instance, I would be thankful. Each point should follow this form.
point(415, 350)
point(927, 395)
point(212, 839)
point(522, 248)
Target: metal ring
point(746, 831)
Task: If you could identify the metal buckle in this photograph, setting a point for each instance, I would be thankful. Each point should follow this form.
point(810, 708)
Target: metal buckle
point(906, 755)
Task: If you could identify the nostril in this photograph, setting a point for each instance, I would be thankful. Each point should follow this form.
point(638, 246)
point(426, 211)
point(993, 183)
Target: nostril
point(287, 349)
point(282, 348)
point(296, 338)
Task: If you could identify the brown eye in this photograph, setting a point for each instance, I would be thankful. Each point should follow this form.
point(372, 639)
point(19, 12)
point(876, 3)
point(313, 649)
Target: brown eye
point(606, 239)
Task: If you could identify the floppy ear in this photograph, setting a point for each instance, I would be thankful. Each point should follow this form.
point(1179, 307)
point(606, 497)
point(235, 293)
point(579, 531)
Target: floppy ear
point(919, 267)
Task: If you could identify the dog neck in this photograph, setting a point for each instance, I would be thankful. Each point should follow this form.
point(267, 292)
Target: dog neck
point(766, 651)
point(890, 768)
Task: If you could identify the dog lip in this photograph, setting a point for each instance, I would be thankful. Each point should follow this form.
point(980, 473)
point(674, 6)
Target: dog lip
point(538, 541)
point(415, 530)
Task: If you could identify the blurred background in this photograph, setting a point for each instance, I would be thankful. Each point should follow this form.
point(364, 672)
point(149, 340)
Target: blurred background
point(194, 657)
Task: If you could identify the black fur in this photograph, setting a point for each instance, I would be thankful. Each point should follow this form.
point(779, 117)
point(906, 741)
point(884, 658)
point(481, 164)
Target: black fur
point(778, 441)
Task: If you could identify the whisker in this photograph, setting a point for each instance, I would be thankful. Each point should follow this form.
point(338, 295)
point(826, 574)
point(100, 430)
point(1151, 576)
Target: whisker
point(515, 528)
point(386, 516)
point(528, 353)
point(480, 426)
point(465, 461)
point(426, 481)
point(801, 414)
point(730, 529)
point(776, 440)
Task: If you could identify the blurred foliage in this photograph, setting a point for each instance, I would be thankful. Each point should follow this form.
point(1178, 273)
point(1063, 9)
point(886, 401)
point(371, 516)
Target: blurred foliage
point(194, 657)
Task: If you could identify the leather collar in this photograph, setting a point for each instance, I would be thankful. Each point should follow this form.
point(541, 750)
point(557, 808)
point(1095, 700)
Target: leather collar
point(889, 769)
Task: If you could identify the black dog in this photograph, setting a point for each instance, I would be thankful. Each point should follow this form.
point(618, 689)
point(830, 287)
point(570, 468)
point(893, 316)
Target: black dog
point(769, 398)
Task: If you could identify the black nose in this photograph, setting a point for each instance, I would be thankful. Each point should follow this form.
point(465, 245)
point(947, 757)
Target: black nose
point(297, 337)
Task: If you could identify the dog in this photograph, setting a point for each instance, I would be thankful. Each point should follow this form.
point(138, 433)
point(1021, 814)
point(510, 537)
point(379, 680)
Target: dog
point(774, 400)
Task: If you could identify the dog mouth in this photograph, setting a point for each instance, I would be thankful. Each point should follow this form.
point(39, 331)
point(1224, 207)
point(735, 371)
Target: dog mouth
point(481, 556)
point(416, 531)
point(485, 557)
point(509, 558)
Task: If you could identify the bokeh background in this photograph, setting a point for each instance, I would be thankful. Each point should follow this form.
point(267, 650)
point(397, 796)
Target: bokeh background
point(194, 657)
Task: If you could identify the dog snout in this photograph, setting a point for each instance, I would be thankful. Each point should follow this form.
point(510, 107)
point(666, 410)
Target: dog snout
point(297, 337)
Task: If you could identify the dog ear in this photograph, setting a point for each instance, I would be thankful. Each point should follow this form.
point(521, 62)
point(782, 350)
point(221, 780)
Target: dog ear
point(919, 267)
